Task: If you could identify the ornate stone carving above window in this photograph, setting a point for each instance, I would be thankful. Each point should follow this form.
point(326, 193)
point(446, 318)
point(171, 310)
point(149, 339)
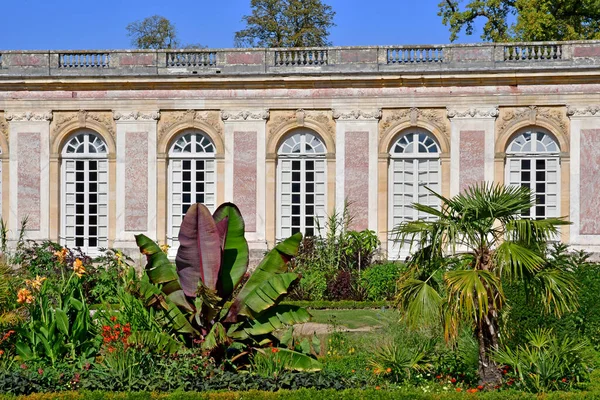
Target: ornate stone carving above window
point(170, 119)
point(29, 116)
point(82, 119)
point(4, 127)
point(434, 117)
point(322, 119)
point(553, 116)
point(245, 115)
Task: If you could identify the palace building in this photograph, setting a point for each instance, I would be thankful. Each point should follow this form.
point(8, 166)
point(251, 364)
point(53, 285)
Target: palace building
point(98, 146)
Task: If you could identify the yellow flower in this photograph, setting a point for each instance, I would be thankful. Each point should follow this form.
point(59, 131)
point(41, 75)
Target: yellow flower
point(24, 296)
point(165, 248)
point(61, 255)
point(78, 268)
point(35, 284)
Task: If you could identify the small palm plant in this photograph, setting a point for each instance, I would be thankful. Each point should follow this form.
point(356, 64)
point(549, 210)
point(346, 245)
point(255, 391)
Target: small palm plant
point(476, 241)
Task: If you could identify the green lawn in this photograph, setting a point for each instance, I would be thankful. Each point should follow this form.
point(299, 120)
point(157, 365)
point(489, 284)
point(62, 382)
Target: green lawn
point(352, 318)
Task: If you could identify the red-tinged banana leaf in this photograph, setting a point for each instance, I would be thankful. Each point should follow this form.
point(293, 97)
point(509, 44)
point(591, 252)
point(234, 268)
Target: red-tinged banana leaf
point(267, 294)
point(215, 337)
point(275, 262)
point(236, 253)
point(292, 360)
point(199, 254)
point(271, 320)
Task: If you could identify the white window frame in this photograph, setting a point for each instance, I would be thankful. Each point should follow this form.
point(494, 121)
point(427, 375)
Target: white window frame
point(549, 151)
point(293, 148)
point(208, 155)
point(102, 213)
point(433, 155)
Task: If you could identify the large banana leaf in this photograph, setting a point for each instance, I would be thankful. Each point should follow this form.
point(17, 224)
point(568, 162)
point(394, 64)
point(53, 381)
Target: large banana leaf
point(292, 360)
point(200, 250)
point(160, 271)
point(267, 294)
point(155, 342)
point(275, 262)
point(235, 252)
point(271, 320)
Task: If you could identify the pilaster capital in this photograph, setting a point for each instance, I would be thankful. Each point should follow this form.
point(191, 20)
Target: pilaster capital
point(138, 116)
point(244, 115)
point(32, 116)
point(472, 112)
point(357, 115)
point(583, 111)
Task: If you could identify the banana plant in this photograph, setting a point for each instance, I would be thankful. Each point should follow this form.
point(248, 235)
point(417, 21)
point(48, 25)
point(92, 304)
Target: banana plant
point(200, 293)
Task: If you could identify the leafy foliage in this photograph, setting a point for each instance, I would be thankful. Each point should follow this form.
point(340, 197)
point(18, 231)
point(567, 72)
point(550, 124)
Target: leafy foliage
point(534, 20)
point(286, 23)
point(155, 32)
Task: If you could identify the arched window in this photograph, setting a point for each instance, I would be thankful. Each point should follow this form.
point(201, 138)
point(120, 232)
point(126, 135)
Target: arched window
point(533, 161)
point(302, 184)
point(191, 179)
point(84, 197)
point(414, 167)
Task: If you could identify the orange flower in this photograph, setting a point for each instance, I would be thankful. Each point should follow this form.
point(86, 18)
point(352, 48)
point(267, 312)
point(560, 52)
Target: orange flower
point(24, 296)
point(165, 248)
point(113, 318)
point(274, 350)
point(35, 284)
point(78, 268)
point(377, 387)
point(1, 352)
point(388, 370)
point(61, 255)
point(458, 389)
point(480, 387)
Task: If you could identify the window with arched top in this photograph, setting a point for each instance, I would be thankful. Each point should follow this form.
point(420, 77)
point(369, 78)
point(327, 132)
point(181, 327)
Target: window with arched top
point(414, 167)
point(302, 184)
point(191, 179)
point(84, 195)
point(533, 161)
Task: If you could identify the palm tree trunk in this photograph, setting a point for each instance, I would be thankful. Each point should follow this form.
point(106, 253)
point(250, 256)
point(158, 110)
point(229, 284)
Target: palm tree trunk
point(487, 336)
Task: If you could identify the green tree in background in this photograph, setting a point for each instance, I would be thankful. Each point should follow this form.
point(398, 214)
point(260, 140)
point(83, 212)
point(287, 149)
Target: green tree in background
point(155, 32)
point(286, 23)
point(524, 20)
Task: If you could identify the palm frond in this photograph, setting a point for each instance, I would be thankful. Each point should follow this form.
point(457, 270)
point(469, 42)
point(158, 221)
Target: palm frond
point(516, 261)
point(469, 292)
point(420, 301)
point(557, 290)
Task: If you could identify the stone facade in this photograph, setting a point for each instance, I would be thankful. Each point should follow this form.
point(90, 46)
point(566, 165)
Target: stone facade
point(472, 99)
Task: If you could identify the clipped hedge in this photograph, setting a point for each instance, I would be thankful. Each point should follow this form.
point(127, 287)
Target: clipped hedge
point(338, 305)
point(306, 394)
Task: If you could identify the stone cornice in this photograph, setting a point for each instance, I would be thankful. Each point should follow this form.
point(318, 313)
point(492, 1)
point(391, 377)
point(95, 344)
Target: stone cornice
point(245, 115)
point(474, 112)
point(126, 116)
point(35, 116)
point(583, 111)
point(357, 115)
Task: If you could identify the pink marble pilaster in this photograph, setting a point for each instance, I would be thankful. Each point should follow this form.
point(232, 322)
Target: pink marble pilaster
point(136, 181)
point(472, 158)
point(356, 178)
point(28, 176)
point(244, 176)
point(589, 184)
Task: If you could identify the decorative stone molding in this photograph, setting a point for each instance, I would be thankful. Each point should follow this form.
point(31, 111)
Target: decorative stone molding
point(472, 112)
point(533, 114)
point(4, 127)
point(136, 115)
point(321, 118)
point(357, 115)
point(81, 119)
point(170, 119)
point(29, 116)
point(414, 115)
point(586, 111)
point(245, 115)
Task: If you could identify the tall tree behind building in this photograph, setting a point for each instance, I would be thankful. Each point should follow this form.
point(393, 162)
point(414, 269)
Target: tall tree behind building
point(155, 32)
point(286, 23)
point(524, 20)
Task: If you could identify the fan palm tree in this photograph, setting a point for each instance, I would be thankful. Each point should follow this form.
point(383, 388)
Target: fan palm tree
point(466, 250)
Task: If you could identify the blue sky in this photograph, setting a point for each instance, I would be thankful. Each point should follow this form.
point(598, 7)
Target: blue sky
point(84, 24)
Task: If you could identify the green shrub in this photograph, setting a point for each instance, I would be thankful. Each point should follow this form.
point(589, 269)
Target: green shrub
point(379, 280)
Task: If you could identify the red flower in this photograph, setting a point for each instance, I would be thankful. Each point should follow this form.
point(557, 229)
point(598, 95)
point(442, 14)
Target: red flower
point(564, 380)
point(458, 389)
point(480, 387)
point(453, 380)
point(274, 350)
point(113, 318)
point(40, 371)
